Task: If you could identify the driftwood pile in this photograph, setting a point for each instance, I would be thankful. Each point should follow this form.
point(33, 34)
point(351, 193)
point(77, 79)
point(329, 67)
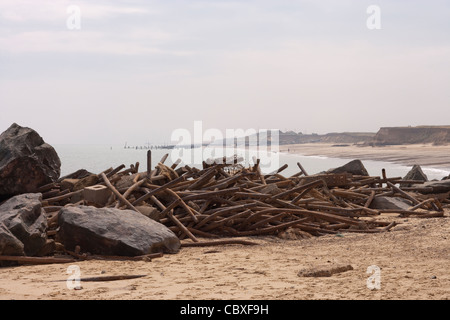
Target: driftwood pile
point(226, 199)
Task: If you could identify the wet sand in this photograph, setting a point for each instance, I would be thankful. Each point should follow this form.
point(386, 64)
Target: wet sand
point(413, 257)
point(422, 154)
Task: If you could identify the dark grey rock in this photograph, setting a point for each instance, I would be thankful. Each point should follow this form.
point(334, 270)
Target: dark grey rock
point(79, 174)
point(397, 203)
point(415, 173)
point(26, 161)
point(441, 186)
point(9, 246)
point(109, 231)
point(24, 217)
point(354, 167)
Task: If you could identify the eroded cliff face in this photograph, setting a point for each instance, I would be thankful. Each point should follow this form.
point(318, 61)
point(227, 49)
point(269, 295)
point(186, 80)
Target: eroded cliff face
point(437, 135)
point(341, 137)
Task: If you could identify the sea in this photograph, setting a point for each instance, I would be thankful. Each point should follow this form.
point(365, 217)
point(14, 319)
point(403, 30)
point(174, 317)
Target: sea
point(97, 158)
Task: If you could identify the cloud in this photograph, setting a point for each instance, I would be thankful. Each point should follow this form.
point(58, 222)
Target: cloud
point(40, 27)
point(87, 42)
point(46, 10)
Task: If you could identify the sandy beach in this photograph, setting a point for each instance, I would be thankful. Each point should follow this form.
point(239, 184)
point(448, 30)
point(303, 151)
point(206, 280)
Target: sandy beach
point(408, 155)
point(413, 258)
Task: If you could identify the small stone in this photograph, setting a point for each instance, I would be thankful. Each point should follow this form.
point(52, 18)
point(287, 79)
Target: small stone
point(433, 277)
point(324, 271)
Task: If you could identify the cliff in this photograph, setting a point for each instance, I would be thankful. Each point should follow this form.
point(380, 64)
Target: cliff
point(291, 137)
point(437, 135)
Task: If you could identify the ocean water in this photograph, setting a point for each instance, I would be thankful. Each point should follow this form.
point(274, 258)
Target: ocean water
point(97, 158)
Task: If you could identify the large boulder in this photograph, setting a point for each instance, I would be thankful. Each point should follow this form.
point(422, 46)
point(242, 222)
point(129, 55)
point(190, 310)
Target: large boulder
point(442, 186)
point(109, 231)
point(354, 167)
point(25, 220)
point(416, 174)
point(386, 203)
point(26, 161)
point(9, 246)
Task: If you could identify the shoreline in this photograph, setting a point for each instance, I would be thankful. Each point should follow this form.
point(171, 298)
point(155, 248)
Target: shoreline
point(425, 155)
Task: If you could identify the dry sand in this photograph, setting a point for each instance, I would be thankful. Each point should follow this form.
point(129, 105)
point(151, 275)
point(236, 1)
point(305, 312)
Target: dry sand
point(414, 258)
point(408, 155)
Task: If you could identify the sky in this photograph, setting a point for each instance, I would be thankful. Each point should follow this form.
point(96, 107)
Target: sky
point(135, 71)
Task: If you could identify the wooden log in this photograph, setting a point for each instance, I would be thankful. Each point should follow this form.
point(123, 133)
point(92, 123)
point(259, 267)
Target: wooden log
point(272, 228)
point(53, 193)
point(116, 170)
point(175, 164)
point(202, 233)
point(363, 230)
point(110, 278)
point(205, 205)
point(129, 191)
point(221, 211)
point(159, 189)
point(383, 174)
point(390, 226)
point(306, 188)
point(222, 222)
point(438, 205)
point(146, 257)
point(233, 179)
point(63, 197)
point(35, 260)
point(280, 169)
point(421, 204)
point(430, 215)
point(298, 188)
point(48, 186)
point(170, 207)
point(315, 229)
point(218, 243)
point(188, 209)
point(149, 164)
point(406, 195)
point(164, 158)
point(370, 199)
point(337, 226)
point(181, 226)
point(348, 194)
point(258, 172)
point(210, 194)
point(302, 169)
point(267, 220)
point(117, 193)
point(203, 179)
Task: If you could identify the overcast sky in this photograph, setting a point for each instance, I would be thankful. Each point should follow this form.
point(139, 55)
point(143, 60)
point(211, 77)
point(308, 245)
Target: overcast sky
point(137, 70)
